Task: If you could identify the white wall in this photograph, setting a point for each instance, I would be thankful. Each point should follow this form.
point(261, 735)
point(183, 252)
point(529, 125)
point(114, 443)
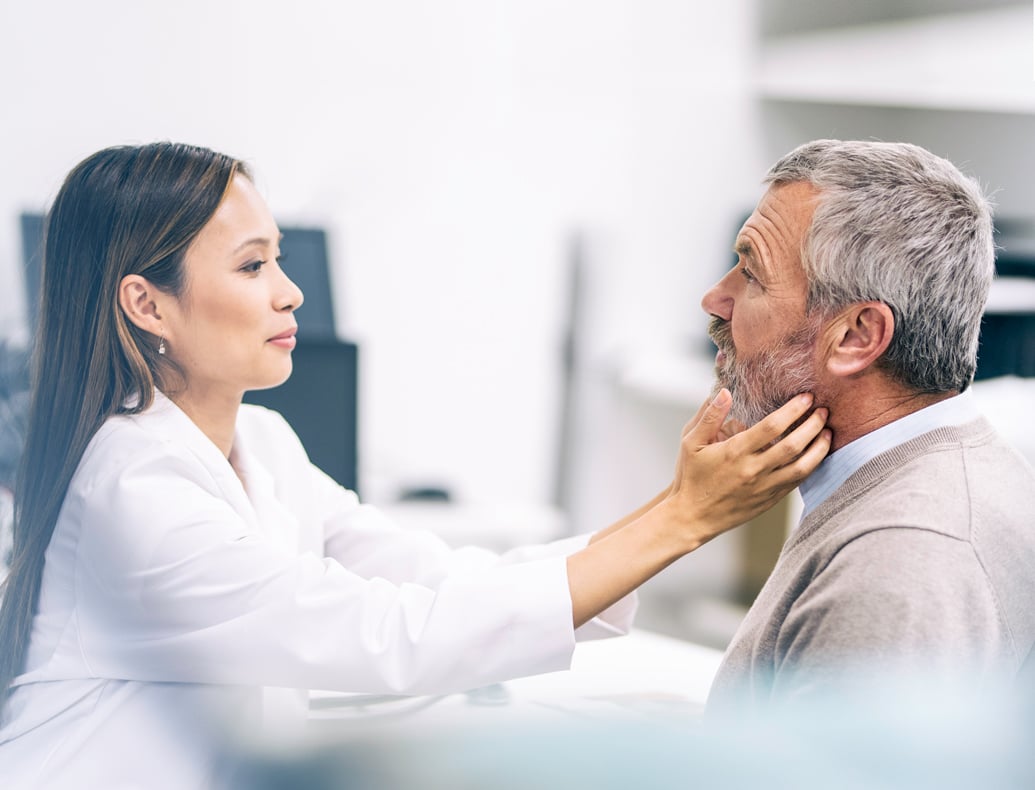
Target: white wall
point(451, 148)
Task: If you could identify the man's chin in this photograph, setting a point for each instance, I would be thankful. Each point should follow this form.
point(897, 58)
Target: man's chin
point(737, 411)
point(745, 412)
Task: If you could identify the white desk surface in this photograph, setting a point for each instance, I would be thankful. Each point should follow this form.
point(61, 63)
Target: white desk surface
point(623, 716)
point(641, 675)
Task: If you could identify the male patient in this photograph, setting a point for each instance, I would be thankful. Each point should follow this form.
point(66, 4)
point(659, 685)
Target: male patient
point(862, 277)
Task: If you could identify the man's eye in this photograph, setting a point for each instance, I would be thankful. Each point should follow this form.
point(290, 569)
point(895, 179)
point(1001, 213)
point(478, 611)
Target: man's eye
point(748, 275)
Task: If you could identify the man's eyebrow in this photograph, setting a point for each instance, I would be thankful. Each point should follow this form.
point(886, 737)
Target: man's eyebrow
point(744, 249)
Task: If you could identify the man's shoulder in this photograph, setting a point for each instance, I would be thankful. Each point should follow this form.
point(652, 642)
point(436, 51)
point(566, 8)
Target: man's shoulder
point(967, 508)
point(959, 507)
point(924, 557)
point(946, 482)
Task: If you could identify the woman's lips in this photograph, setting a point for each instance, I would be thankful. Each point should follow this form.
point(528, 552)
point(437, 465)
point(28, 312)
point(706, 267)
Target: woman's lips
point(284, 339)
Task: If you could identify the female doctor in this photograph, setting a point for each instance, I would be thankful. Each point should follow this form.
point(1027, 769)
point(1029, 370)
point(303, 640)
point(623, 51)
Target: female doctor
point(176, 552)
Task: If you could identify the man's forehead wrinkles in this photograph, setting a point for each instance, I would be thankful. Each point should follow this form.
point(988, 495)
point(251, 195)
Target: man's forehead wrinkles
point(753, 246)
point(775, 233)
point(775, 221)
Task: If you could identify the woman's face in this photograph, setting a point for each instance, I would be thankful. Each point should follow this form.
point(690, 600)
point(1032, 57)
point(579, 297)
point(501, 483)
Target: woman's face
point(232, 329)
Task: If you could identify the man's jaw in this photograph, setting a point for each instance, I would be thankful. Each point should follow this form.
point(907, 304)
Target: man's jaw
point(761, 384)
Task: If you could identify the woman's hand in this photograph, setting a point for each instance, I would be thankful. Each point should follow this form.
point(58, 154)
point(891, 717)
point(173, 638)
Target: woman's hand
point(723, 478)
point(727, 474)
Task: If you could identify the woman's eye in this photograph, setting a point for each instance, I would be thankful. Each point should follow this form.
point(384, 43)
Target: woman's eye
point(253, 267)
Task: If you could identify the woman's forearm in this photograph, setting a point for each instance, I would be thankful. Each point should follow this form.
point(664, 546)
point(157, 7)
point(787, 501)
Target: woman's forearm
point(621, 558)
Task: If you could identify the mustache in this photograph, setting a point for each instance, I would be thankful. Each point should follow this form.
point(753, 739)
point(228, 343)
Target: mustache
point(721, 334)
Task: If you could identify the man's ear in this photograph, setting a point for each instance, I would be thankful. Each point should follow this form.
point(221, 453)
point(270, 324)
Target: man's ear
point(858, 337)
point(139, 299)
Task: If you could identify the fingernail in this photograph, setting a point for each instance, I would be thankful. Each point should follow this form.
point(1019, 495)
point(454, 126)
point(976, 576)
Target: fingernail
point(721, 398)
point(805, 398)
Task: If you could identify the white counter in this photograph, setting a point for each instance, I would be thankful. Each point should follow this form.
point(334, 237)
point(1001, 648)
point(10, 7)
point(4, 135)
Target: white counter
point(642, 675)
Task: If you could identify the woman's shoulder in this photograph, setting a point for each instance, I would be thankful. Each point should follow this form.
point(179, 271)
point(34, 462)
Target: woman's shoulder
point(158, 436)
point(122, 436)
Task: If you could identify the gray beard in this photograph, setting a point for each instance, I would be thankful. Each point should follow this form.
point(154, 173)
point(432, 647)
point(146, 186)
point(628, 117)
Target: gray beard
point(771, 377)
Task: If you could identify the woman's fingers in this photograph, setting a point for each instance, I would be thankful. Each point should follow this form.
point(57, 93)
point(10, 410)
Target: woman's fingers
point(696, 418)
point(721, 484)
point(763, 433)
point(802, 466)
point(787, 477)
point(706, 426)
point(796, 456)
point(806, 436)
point(731, 428)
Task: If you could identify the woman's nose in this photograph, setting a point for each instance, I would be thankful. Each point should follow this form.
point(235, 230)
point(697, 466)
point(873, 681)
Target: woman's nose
point(291, 296)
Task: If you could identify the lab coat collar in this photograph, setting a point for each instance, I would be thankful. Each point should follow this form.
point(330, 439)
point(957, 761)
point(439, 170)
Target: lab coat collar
point(171, 424)
point(244, 481)
point(278, 524)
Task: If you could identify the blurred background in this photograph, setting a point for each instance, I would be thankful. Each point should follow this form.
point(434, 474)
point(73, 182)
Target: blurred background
point(513, 208)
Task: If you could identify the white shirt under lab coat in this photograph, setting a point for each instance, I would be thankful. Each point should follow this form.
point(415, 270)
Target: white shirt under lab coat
point(174, 590)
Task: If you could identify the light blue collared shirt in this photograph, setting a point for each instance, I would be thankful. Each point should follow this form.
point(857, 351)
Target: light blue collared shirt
point(837, 467)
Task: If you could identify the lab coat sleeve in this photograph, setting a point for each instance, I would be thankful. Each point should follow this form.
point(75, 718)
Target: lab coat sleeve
point(616, 620)
point(367, 542)
point(334, 522)
point(172, 585)
point(361, 538)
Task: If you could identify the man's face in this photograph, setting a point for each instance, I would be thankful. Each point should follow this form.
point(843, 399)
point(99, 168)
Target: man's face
point(766, 344)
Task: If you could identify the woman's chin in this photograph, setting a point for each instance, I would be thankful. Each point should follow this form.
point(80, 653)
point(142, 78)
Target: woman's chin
point(274, 379)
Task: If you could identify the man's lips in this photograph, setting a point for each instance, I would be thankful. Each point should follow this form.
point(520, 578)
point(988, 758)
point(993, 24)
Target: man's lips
point(722, 337)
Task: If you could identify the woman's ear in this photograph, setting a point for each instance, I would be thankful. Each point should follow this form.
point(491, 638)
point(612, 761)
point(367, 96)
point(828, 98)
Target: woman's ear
point(858, 337)
point(138, 299)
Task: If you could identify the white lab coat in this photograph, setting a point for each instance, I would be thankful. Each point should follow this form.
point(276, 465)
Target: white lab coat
point(173, 593)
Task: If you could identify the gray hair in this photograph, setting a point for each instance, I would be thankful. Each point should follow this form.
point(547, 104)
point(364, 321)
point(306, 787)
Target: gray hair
point(896, 224)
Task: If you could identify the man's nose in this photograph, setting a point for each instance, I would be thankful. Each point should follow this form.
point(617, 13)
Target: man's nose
point(717, 301)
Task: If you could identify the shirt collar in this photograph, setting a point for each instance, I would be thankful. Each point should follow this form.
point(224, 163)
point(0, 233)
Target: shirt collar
point(837, 467)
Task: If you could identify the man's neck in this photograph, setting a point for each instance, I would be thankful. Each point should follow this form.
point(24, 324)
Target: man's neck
point(870, 403)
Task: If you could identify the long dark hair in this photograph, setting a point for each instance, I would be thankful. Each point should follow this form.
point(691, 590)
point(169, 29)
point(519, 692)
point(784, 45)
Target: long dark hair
point(124, 210)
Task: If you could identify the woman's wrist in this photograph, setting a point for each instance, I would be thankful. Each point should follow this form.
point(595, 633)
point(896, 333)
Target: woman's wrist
point(631, 517)
point(684, 527)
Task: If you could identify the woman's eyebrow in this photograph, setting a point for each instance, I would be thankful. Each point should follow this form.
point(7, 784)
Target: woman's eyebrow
point(258, 241)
